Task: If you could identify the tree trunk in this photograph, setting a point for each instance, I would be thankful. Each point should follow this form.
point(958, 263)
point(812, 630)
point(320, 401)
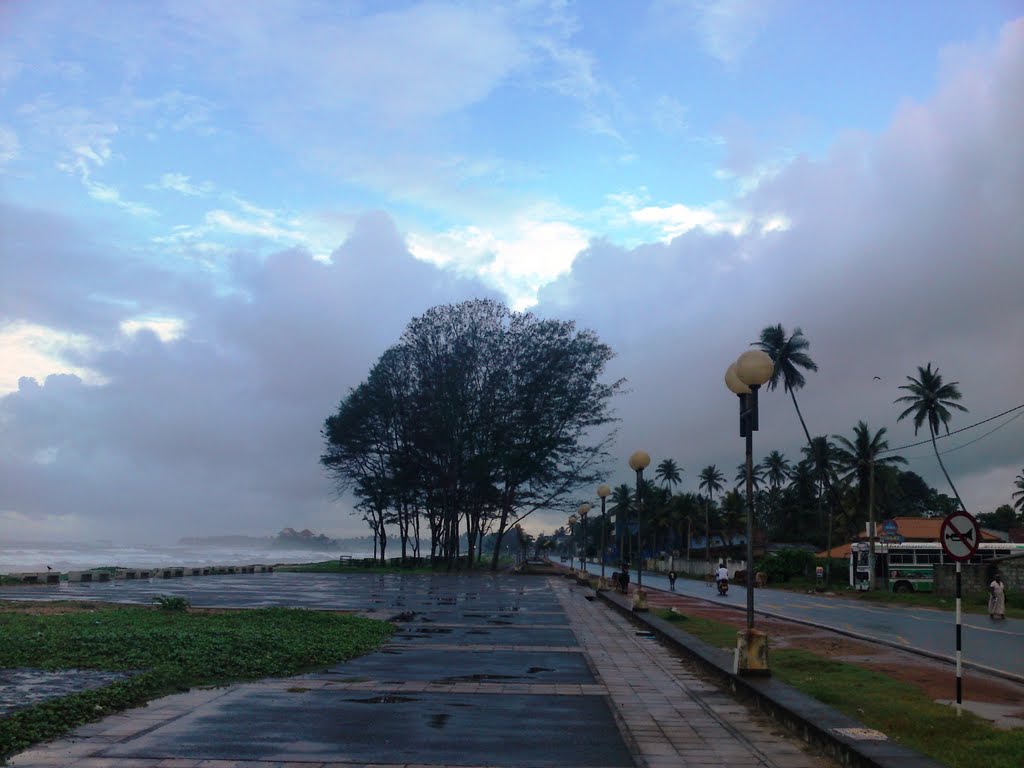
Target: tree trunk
point(948, 480)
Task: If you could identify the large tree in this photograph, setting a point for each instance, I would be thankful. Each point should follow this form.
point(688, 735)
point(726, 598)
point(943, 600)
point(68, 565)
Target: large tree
point(477, 417)
point(930, 400)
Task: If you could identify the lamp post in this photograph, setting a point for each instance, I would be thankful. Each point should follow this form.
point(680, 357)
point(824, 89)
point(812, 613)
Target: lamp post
point(603, 491)
point(584, 508)
point(638, 462)
point(752, 369)
point(572, 546)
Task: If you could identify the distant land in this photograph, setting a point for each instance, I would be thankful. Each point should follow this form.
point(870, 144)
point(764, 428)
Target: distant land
point(287, 538)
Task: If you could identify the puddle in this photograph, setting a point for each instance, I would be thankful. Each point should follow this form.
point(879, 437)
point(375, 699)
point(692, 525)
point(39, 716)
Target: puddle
point(535, 670)
point(433, 630)
point(438, 721)
point(478, 677)
point(385, 699)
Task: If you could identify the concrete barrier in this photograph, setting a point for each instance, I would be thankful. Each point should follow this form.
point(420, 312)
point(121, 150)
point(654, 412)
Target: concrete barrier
point(37, 577)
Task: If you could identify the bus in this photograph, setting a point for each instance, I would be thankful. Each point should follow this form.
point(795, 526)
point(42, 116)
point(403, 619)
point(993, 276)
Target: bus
point(909, 565)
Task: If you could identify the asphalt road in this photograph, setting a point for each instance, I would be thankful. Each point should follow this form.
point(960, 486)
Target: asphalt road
point(994, 645)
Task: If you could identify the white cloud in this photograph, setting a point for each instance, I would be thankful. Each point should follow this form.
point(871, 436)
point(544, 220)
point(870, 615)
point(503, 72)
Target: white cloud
point(105, 193)
point(182, 184)
point(166, 329)
point(35, 351)
point(518, 261)
point(677, 219)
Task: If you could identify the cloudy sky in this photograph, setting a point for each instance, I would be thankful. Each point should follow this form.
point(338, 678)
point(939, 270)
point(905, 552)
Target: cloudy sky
point(215, 216)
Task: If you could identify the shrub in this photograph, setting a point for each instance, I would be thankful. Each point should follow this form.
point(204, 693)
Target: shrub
point(782, 565)
point(172, 603)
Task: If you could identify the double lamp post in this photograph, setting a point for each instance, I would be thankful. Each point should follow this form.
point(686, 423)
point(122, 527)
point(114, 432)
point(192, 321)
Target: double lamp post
point(752, 369)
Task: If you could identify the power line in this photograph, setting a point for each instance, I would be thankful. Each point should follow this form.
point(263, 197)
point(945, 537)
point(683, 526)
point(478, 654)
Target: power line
point(980, 437)
point(958, 431)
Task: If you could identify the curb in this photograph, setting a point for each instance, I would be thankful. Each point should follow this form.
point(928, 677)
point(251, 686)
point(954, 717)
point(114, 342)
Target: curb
point(812, 721)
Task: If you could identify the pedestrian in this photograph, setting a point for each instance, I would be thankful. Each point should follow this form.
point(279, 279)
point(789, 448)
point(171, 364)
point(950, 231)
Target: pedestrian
point(997, 598)
point(672, 580)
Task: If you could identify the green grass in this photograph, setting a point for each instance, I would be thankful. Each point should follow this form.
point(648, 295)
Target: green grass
point(969, 604)
point(901, 711)
point(171, 650)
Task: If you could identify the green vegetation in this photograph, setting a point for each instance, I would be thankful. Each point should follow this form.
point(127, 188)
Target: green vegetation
point(969, 604)
point(172, 603)
point(903, 712)
point(169, 650)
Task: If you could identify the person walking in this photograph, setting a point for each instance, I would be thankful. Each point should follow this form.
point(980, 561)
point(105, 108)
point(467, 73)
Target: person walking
point(997, 598)
point(672, 580)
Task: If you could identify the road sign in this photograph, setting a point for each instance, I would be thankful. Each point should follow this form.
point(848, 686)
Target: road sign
point(959, 535)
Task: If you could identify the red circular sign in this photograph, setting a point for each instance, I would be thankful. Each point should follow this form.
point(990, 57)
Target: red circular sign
point(959, 535)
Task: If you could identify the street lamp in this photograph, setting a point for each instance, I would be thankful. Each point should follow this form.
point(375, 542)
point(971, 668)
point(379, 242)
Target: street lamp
point(572, 524)
point(638, 462)
point(584, 508)
point(752, 369)
point(603, 491)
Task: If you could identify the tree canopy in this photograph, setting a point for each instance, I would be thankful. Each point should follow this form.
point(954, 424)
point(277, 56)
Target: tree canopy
point(475, 418)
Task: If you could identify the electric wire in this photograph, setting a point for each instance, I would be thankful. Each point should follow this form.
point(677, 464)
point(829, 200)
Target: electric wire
point(962, 429)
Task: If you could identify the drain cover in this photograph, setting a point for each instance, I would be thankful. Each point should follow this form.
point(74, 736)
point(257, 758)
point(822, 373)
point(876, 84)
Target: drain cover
point(861, 734)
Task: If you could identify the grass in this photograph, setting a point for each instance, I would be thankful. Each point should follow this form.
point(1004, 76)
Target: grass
point(903, 712)
point(169, 650)
point(969, 604)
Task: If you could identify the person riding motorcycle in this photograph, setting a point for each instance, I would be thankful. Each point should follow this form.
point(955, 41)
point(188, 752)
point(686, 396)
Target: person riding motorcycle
point(722, 579)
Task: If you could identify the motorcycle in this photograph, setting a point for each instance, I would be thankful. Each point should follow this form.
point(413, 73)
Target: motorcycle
point(723, 587)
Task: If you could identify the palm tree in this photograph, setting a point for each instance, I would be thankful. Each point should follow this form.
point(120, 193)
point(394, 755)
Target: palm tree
point(777, 469)
point(741, 475)
point(789, 355)
point(930, 399)
point(858, 459)
point(1019, 493)
point(668, 472)
point(622, 504)
point(711, 480)
point(819, 453)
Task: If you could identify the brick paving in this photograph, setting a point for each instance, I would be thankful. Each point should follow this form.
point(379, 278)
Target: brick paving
point(633, 702)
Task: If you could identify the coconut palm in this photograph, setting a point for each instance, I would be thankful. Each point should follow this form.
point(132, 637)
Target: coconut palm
point(622, 506)
point(857, 459)
point(668, 472)
point(711, 480)
point(930, 400)
point(1019, 493)
point(789, 355)
point(777, 469)
point(757, 475)
point(820, 453)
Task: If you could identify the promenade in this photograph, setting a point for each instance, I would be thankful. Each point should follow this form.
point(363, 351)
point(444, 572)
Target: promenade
point(483, 671)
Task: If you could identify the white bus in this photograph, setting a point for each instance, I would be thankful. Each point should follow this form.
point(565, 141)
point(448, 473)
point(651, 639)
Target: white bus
point(909, 565)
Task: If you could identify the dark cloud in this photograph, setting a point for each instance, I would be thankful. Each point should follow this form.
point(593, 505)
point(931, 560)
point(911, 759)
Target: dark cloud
point(903, 249)
point(217, 431)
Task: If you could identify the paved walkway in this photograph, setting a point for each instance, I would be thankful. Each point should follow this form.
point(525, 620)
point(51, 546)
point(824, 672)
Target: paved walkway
point(497, 671)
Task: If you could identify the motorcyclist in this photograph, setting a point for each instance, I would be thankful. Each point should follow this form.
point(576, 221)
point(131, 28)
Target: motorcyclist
point(722, 577)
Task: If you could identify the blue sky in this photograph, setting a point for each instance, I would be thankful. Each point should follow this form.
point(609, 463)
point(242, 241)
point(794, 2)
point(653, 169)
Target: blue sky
point(164, 161)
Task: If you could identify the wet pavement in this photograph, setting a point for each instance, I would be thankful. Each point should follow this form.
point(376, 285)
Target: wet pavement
point(484, 670)
point(23, 688)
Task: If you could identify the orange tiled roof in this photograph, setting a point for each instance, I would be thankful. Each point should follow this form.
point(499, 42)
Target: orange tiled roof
point(922, 529)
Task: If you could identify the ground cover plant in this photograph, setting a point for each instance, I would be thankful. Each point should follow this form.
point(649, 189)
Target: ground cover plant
point(168, 650)
point(903, 712)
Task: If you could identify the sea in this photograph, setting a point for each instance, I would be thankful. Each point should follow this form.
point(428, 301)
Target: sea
point(20, 557)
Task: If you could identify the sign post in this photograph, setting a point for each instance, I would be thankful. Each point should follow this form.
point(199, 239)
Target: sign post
point(959, 535)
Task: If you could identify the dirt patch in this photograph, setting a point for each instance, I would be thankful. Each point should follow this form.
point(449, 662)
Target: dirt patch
point(935, 678)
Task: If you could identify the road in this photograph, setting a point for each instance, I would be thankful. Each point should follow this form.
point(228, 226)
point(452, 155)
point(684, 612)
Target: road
point(993, 645)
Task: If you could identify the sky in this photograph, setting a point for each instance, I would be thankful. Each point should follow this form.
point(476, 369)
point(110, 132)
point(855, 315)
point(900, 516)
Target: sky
point(214, 217)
